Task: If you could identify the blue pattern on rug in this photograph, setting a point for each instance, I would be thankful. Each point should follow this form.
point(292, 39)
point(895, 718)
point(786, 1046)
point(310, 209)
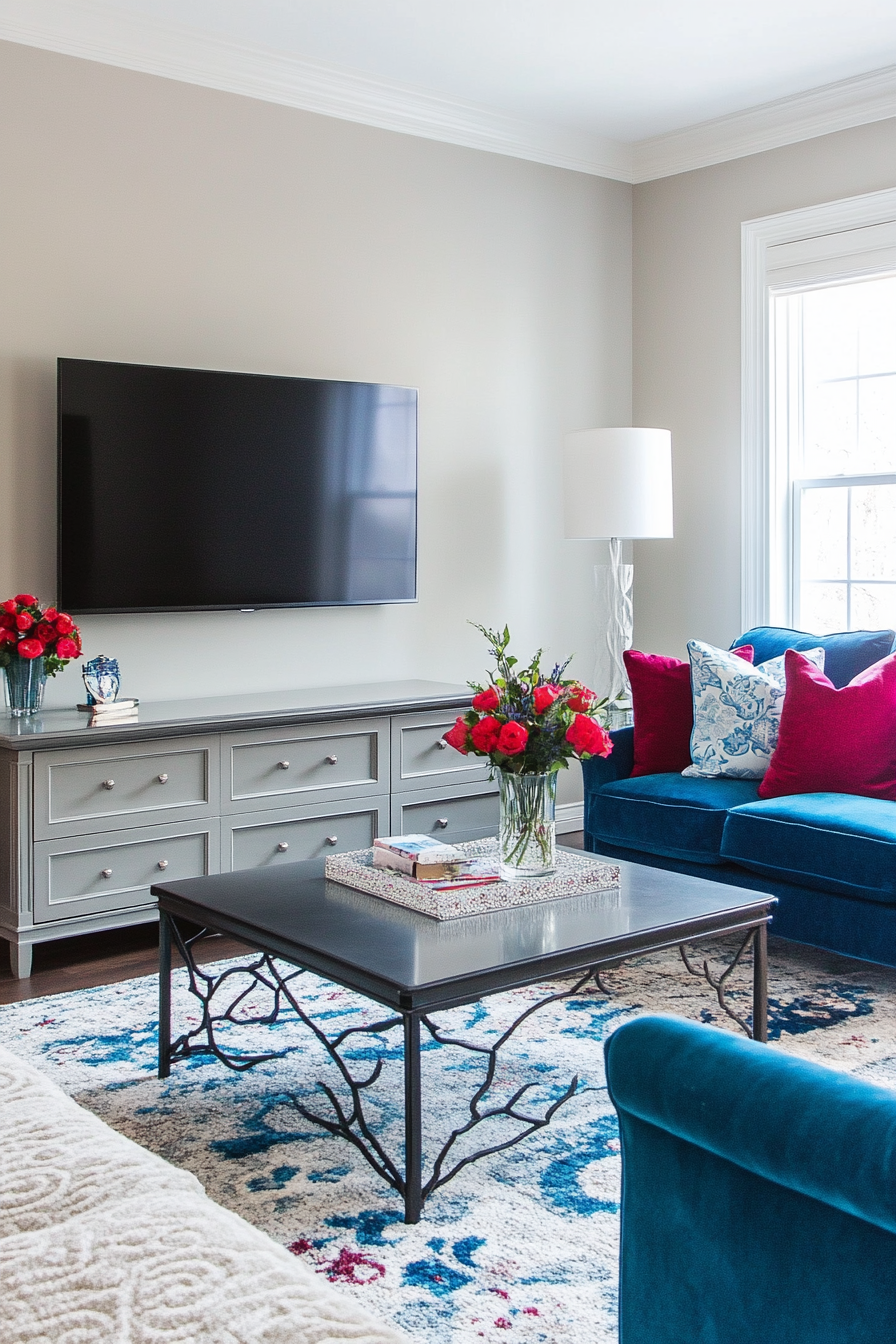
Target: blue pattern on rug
point(523, 1242)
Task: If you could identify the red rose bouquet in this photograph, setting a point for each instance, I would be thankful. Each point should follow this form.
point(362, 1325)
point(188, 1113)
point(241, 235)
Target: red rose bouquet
point(35, 643)
point(529, 725)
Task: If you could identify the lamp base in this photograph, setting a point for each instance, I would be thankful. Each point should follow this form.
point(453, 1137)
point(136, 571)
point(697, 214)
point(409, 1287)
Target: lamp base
point(614, 592)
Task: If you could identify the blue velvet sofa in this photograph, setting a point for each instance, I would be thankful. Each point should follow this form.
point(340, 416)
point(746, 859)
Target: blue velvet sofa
point(830, 858)
point(758, 1193)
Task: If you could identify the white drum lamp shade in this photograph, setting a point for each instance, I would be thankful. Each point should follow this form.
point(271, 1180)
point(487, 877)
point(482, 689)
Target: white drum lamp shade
point(618, 483)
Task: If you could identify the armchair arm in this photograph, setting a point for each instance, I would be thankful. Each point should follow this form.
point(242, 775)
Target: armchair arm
point(802, 1126)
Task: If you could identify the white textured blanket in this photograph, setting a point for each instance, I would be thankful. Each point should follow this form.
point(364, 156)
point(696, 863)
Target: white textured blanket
point(103, 1241)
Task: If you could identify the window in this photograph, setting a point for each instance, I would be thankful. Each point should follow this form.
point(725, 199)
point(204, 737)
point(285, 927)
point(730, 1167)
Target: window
point(819, 423)
point(834, 427)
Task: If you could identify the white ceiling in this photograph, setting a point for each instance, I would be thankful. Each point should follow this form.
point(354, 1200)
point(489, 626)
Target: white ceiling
point(611, 86)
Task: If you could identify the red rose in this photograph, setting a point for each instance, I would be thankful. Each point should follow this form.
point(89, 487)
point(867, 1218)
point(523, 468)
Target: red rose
point(10, 606)
point(64, 624)
point(7, 622)
point(512, 739)
point(6, 636)
point(50, 614)
point(581, 699)
point(46, 632)
point(544, 696)
point(66, 649)
point(487, 700)
point(587, 738)
point(457, 737)
point(24, 622)
point(26, 599)
point(484, 734)
point(30, 648)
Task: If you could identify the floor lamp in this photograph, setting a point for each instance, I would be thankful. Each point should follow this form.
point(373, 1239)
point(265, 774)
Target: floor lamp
point(617, 484)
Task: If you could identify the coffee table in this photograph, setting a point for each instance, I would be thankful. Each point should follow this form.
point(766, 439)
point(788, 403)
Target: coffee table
point(416, 966)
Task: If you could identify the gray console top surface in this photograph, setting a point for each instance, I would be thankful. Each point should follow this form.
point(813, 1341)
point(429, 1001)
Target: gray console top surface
point(225, 713)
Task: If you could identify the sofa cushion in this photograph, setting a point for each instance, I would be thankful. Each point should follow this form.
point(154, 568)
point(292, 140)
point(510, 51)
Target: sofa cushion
point(669, 815)
point(836, 841)
point(663, 710)
point(737, 711)
point(836, 741)
point(846, 654)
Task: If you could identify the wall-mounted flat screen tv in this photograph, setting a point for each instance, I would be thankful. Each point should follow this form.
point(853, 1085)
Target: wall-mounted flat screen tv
point(189, 489)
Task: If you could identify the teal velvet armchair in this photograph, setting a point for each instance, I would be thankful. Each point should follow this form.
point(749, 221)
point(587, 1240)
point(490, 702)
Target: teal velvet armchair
point(759, 1193)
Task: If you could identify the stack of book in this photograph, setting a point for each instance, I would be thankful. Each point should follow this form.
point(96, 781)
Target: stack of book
point(110, 711)
point(423, 859)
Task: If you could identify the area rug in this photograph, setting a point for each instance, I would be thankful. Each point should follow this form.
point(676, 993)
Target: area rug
point(521, 1245)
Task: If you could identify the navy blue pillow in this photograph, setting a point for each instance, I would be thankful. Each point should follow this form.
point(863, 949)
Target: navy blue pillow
point(845, 655)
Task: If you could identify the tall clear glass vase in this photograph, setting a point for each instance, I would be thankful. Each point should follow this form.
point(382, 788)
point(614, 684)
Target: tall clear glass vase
point(24, 680)
point(527, 841)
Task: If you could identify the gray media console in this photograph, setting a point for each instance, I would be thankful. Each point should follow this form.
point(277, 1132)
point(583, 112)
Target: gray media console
point(92, 816)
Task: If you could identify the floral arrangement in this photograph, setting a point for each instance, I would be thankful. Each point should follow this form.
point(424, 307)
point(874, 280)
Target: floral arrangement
point(525, 722)
point(30, 631)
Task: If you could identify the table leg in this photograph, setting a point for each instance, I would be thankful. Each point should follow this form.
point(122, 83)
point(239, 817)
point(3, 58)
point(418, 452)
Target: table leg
point(760, 984)
point(164, 995)
point(413, 1120)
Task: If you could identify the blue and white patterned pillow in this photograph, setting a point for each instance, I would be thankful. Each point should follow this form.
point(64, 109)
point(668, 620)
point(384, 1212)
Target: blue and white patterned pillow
point(737, 711)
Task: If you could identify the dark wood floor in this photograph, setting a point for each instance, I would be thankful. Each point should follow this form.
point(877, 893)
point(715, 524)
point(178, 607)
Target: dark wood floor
point(106, 958)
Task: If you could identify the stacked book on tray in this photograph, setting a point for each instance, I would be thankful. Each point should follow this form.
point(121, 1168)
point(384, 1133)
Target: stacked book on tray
point(436, 865)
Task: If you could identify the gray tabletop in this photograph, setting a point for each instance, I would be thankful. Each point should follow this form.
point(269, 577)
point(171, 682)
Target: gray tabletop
point(223, 713)
point(409, 960)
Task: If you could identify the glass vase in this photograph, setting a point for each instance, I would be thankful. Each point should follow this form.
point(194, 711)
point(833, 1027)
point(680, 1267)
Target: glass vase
point(527, 840)
point(25, 680)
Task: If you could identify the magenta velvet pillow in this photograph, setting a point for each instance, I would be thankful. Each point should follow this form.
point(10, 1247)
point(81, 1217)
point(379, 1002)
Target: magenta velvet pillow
point(663, 710)
point(835, 741)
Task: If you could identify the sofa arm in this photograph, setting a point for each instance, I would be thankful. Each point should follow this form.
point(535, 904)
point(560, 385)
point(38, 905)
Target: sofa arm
point(600, 770)
point(799, 1125)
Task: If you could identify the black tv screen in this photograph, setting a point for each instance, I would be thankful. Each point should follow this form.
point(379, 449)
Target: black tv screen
point(188, 489)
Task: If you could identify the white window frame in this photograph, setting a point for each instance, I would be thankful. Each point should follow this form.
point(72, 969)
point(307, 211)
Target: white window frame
point(839, 240)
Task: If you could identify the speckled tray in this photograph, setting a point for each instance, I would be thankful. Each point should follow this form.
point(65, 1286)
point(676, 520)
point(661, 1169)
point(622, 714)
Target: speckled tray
point(575, 875)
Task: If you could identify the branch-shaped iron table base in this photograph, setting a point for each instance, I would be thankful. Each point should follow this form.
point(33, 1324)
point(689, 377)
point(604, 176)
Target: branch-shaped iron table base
point(348, 1120)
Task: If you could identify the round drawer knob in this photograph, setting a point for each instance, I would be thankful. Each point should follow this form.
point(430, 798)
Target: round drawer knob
point(107, 872)
point(282, 847)
point(442, 744)
point(331, 760)
point(108, 783)
point(163, 864)
point(163, 779)
point(283, 765)
point(442, 823)
point(332, 839)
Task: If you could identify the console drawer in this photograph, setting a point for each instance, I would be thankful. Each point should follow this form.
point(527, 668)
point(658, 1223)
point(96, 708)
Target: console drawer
point(305, 764)
point(288, 836)
point(421, 759)
point(101, 789)
point(85, 878)
point(469, 814)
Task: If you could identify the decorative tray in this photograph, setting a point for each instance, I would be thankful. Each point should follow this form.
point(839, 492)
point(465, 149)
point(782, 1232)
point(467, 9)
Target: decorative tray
point(575, 875)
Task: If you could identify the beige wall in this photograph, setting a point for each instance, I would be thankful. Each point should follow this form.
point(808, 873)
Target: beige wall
point(147, 220)
point(686, 263)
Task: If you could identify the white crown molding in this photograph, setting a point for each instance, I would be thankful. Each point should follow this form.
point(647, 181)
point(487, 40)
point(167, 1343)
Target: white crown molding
point(833, 107)
point(97, 30)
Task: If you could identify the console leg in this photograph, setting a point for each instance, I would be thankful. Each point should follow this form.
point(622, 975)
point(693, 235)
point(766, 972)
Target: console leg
point(413, 1120)
point(164, 995)
point(20, 960)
